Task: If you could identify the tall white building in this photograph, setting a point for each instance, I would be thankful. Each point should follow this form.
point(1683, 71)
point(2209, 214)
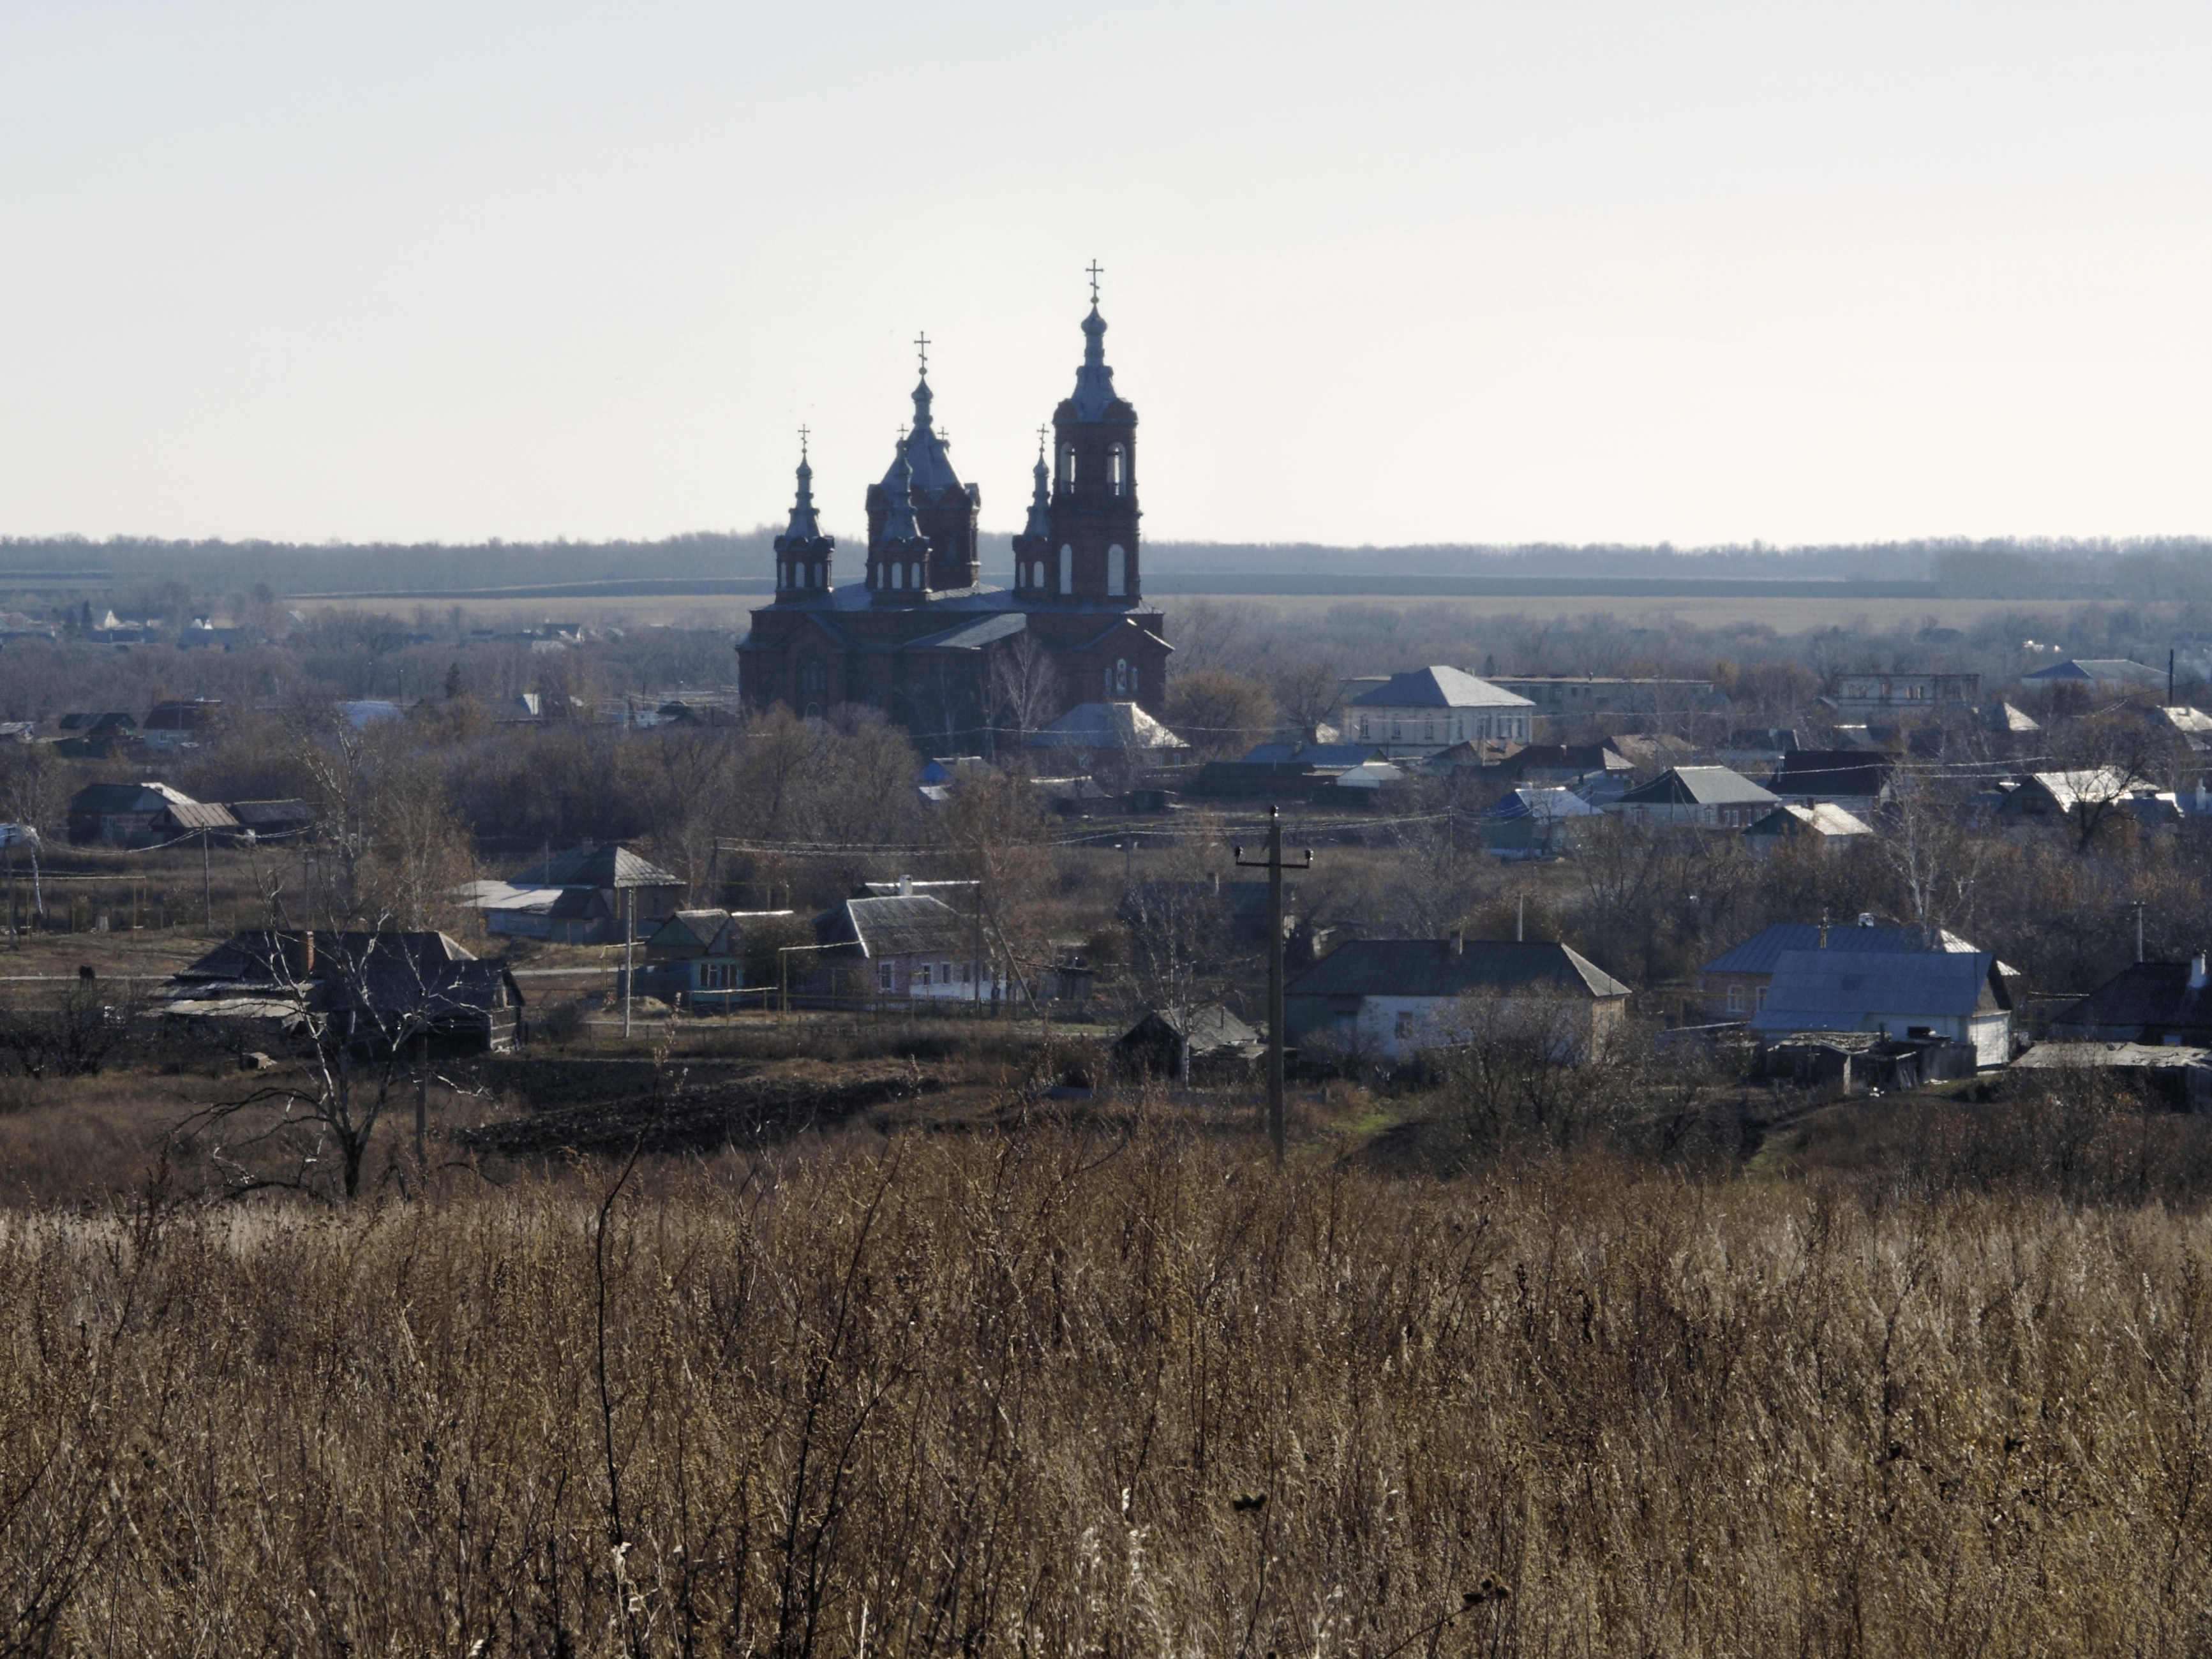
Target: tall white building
point(1428, 710)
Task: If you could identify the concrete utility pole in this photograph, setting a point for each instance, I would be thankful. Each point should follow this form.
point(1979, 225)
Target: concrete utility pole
point(630, 955)
point(1274, 864)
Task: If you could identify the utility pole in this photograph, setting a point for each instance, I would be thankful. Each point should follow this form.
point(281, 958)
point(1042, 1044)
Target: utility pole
point(206, 881)
point(630, 955)
point(1272, 864)
point(2139, 930)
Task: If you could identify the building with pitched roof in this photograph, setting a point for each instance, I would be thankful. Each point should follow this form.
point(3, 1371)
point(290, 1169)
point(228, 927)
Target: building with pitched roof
point(582, 896)
point(907, 947)
point(1710, 797)
point(1823, 825)
point(2151, 1002)
point(1106, 736)
point(374, 991)
point(1960, 996)
point(2100, 673)
point(1426, 711)
point(1394, 996)
point(917, 637)
point(1737, 983)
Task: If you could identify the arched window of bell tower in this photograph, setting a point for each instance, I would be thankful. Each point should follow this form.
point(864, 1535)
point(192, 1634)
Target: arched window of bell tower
point(1068, 467)
point(898, 575)
point(1066, 568)
point(1116, 475)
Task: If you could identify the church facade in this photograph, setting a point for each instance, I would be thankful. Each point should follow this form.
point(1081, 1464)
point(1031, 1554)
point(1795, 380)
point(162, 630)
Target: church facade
point(962, 664)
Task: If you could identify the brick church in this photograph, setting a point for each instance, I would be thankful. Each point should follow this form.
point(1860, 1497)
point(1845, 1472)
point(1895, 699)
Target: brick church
point(956, 660)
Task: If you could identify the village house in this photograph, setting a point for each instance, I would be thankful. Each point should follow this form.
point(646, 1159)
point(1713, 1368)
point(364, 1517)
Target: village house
point(1710, 796)
point(1886, 696)
point(697, 958)
point(909, 948)
point(1391, 999)
point(1959, 996)
point(585, 895)
point(1172, 1042)
point(1823, 826)
point(139, 815)
point(2052, 798)
point(2156, 1003)
point(1428, 710)
point(1857, 780)
point(1118, 738)
point(1735, 984)
point(368, 991)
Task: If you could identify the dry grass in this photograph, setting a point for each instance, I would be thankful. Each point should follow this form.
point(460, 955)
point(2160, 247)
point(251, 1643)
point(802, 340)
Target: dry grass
point(1059, 1391)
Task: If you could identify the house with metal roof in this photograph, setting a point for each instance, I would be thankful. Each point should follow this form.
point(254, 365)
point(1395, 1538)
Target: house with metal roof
point(1823, 825)
point(586, 895)
point(1960, 996)
point(2100, 673)
point(1392, 997)
point(1857, 780)
point(1108, 735)
point(698, 957)
point(2051, 797)
point(1428, 710)
point(371, 991)
point(141, 815)
point(2151, 1002)
point(909, 948)
point(1736, 984)
point(1710, 796)
point(1533, 821)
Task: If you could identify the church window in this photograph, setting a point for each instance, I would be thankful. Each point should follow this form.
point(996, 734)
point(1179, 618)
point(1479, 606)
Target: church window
point(813, 678)
point(1117, 569)
point(898, 575)
point(915, 580)
point(1066, 568)
point(821, 575)
point(1121, 675)
point(1068, 467)
point(783, 574)
point(1116, 478)
point(1133, 679)
point(811, 569)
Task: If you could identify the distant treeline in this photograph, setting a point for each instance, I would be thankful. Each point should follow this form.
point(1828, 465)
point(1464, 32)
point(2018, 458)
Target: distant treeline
point(2163, 567)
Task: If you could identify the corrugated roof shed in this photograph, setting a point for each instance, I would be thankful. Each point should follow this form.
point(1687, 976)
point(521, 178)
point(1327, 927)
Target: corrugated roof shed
point(1432, 967)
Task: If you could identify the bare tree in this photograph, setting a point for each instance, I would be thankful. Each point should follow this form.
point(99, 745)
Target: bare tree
point(1024, 690)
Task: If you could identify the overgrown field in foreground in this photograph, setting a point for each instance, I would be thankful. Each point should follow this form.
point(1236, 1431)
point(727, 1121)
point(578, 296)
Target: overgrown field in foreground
point(1056, 1393)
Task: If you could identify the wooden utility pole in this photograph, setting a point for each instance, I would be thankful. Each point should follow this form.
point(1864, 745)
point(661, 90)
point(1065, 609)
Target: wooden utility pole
point(1274, 864)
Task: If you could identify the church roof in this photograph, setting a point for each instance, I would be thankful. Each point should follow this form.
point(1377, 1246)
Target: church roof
point(924, 452)
point(1094, 381)
point(1040, 520)
point(899, 522)
point(804, 525)
point(970, 634)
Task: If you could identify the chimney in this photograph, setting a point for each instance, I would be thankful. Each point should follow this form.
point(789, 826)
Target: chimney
point(2197, 971)
point(906, 886)
point(1866, 918)
point(1459, 947)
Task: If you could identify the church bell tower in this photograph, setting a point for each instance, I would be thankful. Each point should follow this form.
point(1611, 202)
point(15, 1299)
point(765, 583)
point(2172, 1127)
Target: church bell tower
point(1093, 554)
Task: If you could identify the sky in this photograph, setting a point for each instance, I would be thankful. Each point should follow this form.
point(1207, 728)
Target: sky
point(1384, 274)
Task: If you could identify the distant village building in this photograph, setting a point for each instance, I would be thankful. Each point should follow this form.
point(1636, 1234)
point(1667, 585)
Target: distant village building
point(1857, 780)
point(1959, 996)
point(922, 636)
point(697, 958)
point(1572, 697)
point(2100, 674)
point(1822, 826)
point(372, 991)
point(140, 815)
point(910, 948)
point(2164, 1003)
point(1428, 710)
point(1203, 1042)
point(1707, 797)
point(1394, 997)
point(172, 725)
point(582, 896)
point(1113, 736)
point(1736, 984)
point(1888, 696)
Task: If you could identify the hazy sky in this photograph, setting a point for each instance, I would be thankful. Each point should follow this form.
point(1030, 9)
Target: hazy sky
point(1374, 273)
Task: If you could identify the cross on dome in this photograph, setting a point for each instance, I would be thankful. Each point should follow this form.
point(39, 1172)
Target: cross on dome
point(921, 345)
point(1097, 271)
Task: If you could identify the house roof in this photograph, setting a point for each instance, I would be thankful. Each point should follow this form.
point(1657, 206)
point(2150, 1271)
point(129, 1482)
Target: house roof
point(1439, 687)
point(690, 930)
point(271, 814)
point(1106, 725)
point(2001, 716)
point(1699, 785)
point(1760, 952)
point(2143, 995)
point(426, 972)
point(1565, 757)
point(1548, 805)
point(587, 865)
point(1369, 775)
point(1319, 755)
point(199, 815)
point(1830, 772)
point(1432, 967)
point(908, 925)
point(2104, 671)
point(115, 798)
point(1821, 818)
point(1827, 990)
point(1206, 1028)
point(2090, 784)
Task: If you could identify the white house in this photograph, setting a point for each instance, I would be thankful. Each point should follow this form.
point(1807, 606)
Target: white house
point(1430, 709)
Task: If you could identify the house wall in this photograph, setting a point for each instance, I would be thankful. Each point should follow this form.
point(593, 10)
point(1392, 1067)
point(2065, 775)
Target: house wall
point(1734, 996)
point(1398, 1028)
point(1430, 731)
point(936, 978)
point(1708, 817)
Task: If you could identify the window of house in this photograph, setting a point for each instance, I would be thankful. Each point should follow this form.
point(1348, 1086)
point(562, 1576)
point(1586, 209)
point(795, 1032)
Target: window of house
point(1405, 1026)
point(1759, 998)
point(1117, 569)
point(883, 979)
point(921, 973)
point(945, 973)
point(1735, 998)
